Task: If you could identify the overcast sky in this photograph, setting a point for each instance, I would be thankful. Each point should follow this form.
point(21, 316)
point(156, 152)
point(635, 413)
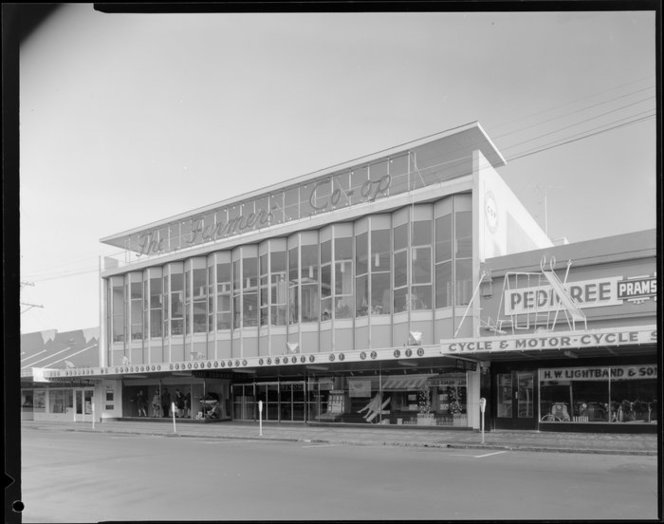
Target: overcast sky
point(130, 118)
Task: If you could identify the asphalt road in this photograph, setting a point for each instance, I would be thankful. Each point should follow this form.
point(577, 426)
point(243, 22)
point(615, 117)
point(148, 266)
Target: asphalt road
point(89, 477)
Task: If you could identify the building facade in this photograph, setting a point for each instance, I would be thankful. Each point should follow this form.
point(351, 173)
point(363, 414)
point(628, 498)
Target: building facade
point(570, 336)
point(69, 397)
point(337, 297)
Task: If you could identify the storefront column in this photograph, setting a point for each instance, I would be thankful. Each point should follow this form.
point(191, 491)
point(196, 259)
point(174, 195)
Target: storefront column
point(473, 398)
point(485, 391)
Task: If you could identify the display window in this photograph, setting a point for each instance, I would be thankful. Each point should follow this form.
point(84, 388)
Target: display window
point(417, 399)
point(27, 400)
point(61, 400)
point(602, 394)
point(39, 401)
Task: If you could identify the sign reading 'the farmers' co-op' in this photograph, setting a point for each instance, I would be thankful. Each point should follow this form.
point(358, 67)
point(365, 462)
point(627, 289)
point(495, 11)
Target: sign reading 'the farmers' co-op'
point(610, 291)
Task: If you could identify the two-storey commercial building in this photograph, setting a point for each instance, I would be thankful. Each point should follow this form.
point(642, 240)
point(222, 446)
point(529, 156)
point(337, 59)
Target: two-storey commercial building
point(342, 296)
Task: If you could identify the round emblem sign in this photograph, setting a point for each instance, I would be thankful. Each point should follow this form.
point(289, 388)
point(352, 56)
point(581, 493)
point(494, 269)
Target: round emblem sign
point(491, 211)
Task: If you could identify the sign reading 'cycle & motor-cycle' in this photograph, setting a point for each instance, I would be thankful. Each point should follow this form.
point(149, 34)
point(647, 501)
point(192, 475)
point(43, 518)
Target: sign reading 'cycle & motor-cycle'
point(610, 291)
point(553, 340)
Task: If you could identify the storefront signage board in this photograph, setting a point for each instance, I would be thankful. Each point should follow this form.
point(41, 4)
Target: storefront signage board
point(600, 373)
point(326, 194)
point(552, 340)
point(610, 291)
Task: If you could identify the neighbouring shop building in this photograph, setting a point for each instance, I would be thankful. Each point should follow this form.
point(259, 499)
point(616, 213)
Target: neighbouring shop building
point(67, 398)
point(568, 336)
point(372, 292)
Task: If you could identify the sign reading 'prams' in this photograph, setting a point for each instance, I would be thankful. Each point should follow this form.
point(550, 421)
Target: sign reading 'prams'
point(610, 291)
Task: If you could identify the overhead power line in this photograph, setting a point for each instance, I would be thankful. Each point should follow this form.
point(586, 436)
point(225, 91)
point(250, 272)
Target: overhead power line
point(633, 119)
point(587, 135)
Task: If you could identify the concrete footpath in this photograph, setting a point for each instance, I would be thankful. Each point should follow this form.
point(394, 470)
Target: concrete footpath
point(606, 443)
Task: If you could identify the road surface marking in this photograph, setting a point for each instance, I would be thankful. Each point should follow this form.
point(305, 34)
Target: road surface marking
point(320, 445)
point(490, 454)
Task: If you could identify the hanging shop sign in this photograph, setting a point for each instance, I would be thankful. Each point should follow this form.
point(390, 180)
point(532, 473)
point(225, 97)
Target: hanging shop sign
point(611, 291)
point(600, 373)
point(553, 340)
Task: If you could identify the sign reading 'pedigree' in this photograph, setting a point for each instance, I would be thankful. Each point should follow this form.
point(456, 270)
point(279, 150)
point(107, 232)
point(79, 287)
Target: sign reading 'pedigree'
point(610, 291)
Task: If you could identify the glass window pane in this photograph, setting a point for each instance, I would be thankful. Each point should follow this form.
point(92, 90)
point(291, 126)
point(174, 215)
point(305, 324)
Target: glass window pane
point(343, 248)
point(310, 303)
point(504, 398)
point(634, 400)
point(443, 238)
point(444, 284)
point(358, 179)
point(463, 232)
point(155, 292)
point(326, 251)
point(236, 311)
point(291, 206)
point(421, 265)
point(400, 269)
point(380, 250)
point(464, 281)
point(200, 317)
point(250, 272)
point(277, 208)
point(343, 307)
point(224, 272)
point(326, 308)
point(525, 400)
point(177, 281)
point(400, 300)
point(278, 261)
point(401, 237)
point(398, 174)
point(361, 253)
point(362, 296)
point(155, 323)
point(250, 309)
point(340, 187)
point(309, 270)
point(200, 283)
point(343, 278)
point(422, 233)
point(380, 293)
point(326, 280)
point(420, 297)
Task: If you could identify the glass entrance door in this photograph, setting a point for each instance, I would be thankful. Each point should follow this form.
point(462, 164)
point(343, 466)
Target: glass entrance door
point(83, 399)
point(515, 400)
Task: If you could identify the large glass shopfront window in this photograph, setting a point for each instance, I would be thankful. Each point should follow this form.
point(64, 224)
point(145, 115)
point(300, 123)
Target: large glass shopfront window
point(609, 394)
point(282, 401)
point(433, 399)
point(60, 400)
point(417, 399)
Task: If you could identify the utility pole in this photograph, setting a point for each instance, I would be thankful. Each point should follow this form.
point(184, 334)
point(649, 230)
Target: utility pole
point(545, 191)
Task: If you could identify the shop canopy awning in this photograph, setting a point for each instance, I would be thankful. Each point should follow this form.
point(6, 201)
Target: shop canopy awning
point(405, 382)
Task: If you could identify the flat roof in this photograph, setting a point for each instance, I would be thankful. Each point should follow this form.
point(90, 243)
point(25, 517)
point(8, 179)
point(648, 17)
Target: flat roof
point(465, 138)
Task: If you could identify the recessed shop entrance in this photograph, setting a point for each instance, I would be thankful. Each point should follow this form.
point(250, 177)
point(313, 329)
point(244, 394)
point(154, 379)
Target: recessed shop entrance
point(515, 399)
